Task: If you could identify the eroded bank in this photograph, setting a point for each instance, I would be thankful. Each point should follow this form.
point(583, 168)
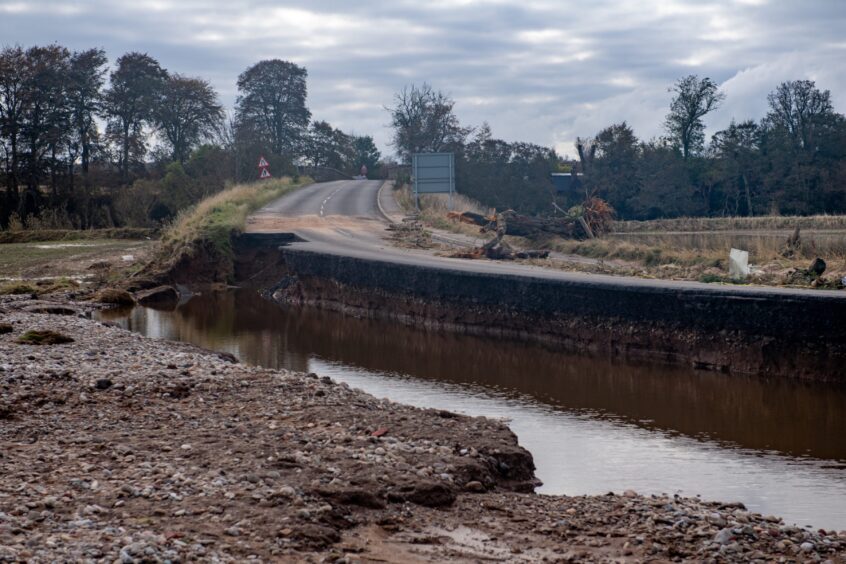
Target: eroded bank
point(740, 330)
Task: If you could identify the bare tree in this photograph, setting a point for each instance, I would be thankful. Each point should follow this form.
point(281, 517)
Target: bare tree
point(423, 121)
point(801, 110)
point(86, 74)
point(694, 99)
point(135, 90)
point(187, 114)
point(12, 103)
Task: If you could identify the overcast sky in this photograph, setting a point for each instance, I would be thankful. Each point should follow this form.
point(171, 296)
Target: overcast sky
point(544, 71)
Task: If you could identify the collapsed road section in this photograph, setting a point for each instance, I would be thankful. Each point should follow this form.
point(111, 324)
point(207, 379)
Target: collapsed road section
point(743, 330)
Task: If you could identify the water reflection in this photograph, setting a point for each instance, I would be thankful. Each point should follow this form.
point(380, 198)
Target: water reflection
point(592, 424)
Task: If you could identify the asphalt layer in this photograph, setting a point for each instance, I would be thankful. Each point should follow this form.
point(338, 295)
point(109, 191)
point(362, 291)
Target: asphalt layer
point(343, 218)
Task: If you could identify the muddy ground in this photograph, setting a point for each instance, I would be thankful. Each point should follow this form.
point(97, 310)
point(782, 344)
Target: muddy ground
point(80, 259)
point(119, 448)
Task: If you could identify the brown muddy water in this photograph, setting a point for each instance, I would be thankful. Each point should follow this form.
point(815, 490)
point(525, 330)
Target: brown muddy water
point(593, 425)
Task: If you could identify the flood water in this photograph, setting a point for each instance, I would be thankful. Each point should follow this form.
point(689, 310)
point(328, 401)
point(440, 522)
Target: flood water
point(593, 425)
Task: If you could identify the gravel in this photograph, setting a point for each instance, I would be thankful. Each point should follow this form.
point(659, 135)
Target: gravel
point(119, 448)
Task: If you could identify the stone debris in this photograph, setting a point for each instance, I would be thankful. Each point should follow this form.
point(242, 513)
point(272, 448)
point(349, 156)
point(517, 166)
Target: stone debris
point(119, 448)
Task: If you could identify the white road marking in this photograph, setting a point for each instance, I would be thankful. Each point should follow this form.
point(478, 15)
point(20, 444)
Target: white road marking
point(329, 197)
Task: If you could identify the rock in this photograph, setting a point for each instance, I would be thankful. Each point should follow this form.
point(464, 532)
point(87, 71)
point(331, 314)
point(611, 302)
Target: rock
point(52, 309)
point(717, 520)
point(316, 536)
point(228, 357)
point(724, 536)
point(103, 384)
point(352, 496)
point(475, 486)
point(817, 267)
point(806, 547)
point(114, 296)
point(158, 296)
point(428, 494)
point(5, 328)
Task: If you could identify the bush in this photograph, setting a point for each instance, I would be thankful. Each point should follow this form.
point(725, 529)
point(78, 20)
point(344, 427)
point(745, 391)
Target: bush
point(43, 338)
point(17, 289)
point(114, 296)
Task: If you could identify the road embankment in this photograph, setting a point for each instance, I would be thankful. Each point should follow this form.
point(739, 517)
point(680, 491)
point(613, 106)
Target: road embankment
point(793, 334)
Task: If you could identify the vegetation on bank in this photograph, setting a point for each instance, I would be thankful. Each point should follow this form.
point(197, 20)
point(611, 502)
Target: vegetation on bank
point(46, 286)
point(680, 249)
point(67, 235)
point(209, 227)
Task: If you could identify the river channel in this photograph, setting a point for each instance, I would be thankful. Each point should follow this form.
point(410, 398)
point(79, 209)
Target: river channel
point(592, 424)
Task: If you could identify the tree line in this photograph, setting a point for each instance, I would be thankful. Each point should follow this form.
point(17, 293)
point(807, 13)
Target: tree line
point(91, 145)
point(793, 161)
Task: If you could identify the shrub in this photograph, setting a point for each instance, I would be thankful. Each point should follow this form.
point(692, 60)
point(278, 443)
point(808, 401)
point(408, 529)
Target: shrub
point(43, 337)
point(114, 296)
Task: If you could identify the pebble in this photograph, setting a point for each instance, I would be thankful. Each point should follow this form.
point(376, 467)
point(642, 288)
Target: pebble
point(186, 445)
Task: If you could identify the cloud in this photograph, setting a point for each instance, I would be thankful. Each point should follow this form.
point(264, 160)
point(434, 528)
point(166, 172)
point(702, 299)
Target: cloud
point(537, 70)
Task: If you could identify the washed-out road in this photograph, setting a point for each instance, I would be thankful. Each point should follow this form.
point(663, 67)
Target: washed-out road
point(350, 217)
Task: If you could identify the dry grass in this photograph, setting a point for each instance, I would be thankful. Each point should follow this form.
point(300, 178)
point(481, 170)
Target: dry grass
point(218, 217)
point(618, 256)
point(213, 222)
point(763, 223)
point(114, 296)
point(32, 235)
point(17, 289)
point(434, 209)
point(45, 337)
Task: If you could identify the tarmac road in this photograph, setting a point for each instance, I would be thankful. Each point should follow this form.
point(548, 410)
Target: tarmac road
point(344, 218)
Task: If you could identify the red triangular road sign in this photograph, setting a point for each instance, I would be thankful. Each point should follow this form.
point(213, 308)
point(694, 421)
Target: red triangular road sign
point(264, 173)
point(263, 163)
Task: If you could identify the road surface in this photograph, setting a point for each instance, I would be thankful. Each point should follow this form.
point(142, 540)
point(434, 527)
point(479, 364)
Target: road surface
point(345, 218)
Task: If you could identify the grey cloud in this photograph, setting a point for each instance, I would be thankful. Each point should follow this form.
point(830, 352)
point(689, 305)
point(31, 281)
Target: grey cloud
point(537, 70)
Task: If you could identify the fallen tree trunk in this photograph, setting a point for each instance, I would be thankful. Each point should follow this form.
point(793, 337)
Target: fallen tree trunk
point(531, 227)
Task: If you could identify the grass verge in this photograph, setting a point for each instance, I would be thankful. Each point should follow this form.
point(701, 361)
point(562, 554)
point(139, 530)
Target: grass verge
point(206, 231)
point(29, 236)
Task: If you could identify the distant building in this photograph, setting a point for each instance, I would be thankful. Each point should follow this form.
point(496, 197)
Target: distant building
point(566, 182)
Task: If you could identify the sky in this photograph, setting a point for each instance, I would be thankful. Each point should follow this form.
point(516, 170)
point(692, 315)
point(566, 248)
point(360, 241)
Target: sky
point(544, 71)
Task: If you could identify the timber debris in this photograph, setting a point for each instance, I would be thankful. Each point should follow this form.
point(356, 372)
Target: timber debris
point(586, 221)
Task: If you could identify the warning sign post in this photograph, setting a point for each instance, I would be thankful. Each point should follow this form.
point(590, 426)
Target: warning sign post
point(264, 168)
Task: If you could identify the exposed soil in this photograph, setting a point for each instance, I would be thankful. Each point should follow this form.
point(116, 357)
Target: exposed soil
point(115, 447)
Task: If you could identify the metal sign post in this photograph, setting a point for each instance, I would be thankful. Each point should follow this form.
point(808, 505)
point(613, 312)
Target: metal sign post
point(433, 173)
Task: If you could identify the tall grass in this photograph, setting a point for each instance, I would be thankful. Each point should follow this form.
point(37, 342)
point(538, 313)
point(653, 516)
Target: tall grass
point(434, 209)
point(213, 222)
point(771, 223)
point(218, 217)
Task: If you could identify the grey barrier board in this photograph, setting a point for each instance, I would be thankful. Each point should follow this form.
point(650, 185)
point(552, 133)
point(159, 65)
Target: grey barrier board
point(433, 173)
